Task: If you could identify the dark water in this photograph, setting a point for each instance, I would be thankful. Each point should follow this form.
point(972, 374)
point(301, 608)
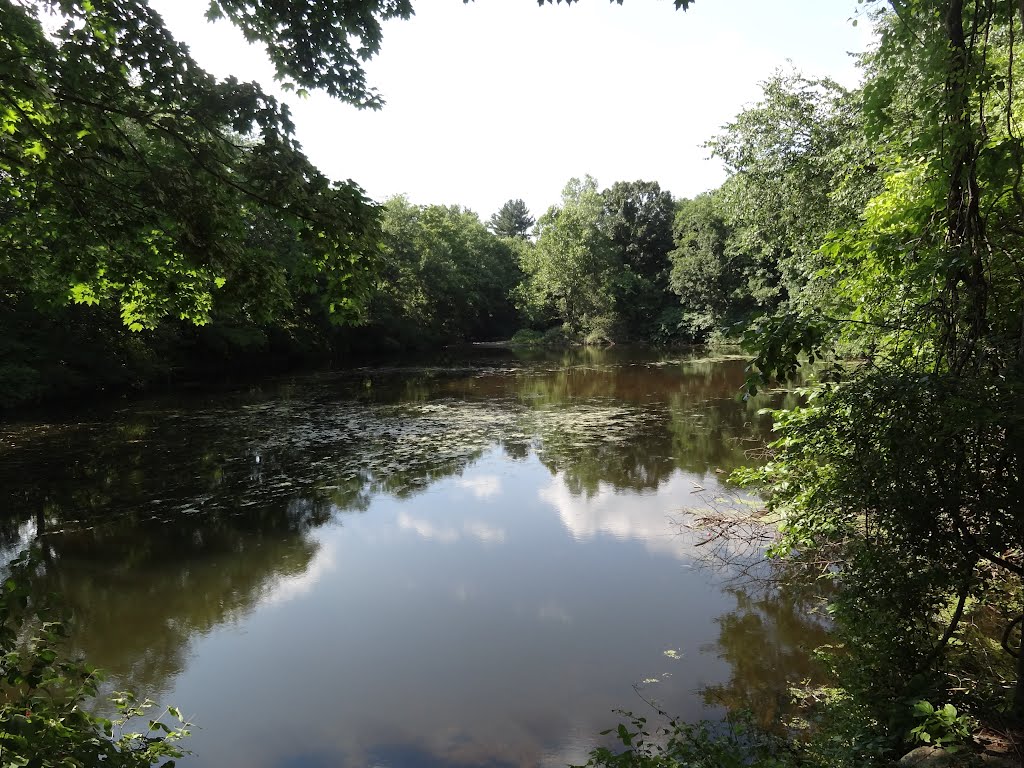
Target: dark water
point(470, 564)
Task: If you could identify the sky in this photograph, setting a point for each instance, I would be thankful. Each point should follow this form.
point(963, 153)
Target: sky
point(502, 99)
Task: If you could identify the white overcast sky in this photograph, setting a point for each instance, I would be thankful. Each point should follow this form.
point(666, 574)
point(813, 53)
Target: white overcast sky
point(503, 99)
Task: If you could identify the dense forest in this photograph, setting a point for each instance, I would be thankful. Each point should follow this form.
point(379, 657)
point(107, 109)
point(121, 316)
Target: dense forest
point(155, 221)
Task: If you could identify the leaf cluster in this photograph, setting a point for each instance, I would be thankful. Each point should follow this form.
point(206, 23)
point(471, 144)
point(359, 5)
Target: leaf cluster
point(129, 174)
point(45, 713)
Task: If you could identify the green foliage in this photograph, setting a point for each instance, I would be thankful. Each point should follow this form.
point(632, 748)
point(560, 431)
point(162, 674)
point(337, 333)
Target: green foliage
point(45, 717)
point(600, 264)
point(513, 220)
point(527, 337)
point(443, 277)
point(129, 175)
point(569, 273)
point(684, 4)
point(736, 743)
point(315, 44)
point(638, 217)
point(885, 223)
point(800, 169)
point(708, 273)
point(940, 727)
point(781, 340)
point(907, 505)
point(903, 477)
point(836, 730)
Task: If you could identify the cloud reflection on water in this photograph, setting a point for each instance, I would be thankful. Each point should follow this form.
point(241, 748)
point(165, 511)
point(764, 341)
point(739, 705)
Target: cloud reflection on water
point(448, 534)
point(481, 486)
point(286, 588)
point(653, 519)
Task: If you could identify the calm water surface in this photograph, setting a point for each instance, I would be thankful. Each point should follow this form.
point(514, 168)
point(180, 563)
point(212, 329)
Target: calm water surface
point(471, 564)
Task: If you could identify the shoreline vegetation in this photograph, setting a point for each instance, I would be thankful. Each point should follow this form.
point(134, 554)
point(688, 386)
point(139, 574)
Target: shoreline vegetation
point(156, 220)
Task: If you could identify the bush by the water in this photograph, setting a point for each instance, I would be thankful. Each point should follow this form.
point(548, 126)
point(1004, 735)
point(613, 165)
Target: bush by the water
point(45, 717)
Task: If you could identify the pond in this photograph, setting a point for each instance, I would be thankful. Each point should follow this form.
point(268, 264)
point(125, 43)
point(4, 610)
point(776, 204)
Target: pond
point(471, 563)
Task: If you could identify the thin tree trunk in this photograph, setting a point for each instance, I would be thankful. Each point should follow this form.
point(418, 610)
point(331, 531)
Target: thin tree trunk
point(967, 289)
point(1018, 691)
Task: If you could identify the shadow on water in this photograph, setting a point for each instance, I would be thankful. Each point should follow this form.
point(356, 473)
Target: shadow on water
point(196, 534)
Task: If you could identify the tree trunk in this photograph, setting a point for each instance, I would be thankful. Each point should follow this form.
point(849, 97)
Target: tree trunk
point(1018, 691)
point(967, 287)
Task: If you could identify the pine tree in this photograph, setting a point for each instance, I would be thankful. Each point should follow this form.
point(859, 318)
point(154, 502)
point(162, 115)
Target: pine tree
point(513, 220)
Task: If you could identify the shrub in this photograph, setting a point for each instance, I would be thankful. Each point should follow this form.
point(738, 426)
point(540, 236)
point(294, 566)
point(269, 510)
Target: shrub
point(44, 719)
point(527, 337)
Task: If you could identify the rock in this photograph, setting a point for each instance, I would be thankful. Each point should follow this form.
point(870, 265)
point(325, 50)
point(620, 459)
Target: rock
point(928, 757)
point(935, 757)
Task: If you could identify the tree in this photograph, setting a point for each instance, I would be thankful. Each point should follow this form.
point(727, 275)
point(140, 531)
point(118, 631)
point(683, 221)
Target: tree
point(513, 220)
point(684, 4)
point(316, 44)
point(443, 277)
point(569, 274)
point(638, 219)
point(710, 274)
point(44, 716)
point(905, 472)
point(126, 171)
point(800, 168)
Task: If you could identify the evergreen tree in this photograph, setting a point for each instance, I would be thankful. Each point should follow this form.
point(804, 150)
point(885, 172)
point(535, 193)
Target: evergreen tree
point(513, 220)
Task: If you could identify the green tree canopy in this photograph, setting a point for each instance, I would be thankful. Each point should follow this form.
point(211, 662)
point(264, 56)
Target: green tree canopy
point(569, 275)
point(318, 43)
point(904, 472)
point(709, 273)
point(443, 277)
point(513, 220)
point(127, 173)
point(801, 168)
point(638, 219)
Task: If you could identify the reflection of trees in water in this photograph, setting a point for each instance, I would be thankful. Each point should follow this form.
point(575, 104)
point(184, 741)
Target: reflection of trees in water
point(141, 590)
point(515, 448)
point(133, 470)
point(768, 641)
point(637, 457)
point(156, 531)
point(381, 437)
point(165, 521)
point(354, 491)
point(160, 526)
point(685, 416)
point(597, 416)
point(711, 427)
point(715, 434)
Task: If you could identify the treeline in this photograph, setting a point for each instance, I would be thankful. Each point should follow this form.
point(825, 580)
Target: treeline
point(427, 276)
point(256, 281)
point(158, 234)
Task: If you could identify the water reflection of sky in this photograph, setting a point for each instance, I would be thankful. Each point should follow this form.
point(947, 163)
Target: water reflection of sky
point(492, 619)
point(472, 569)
